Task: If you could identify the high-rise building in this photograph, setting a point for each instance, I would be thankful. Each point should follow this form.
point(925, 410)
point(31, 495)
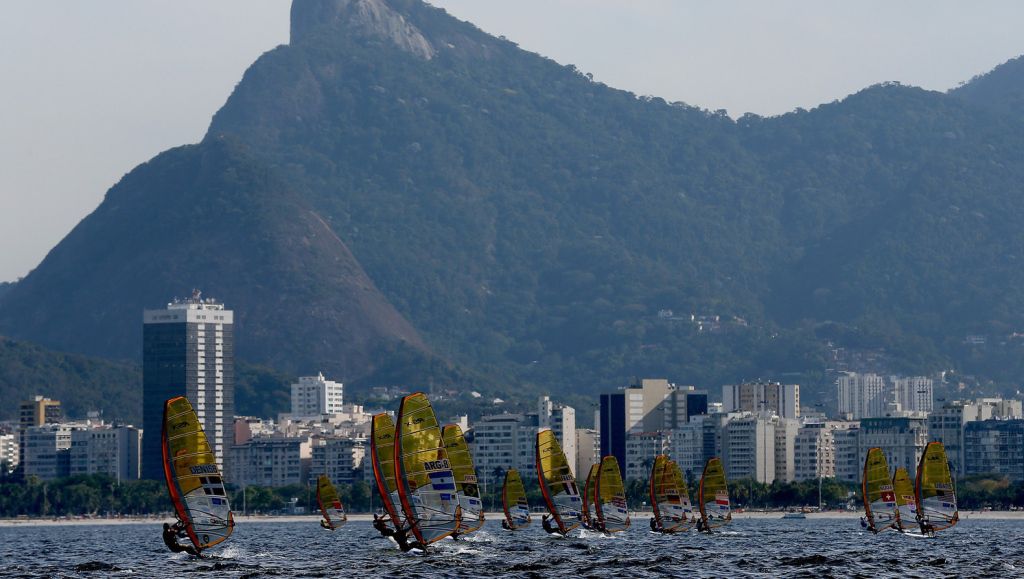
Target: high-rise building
point(902, 438)
point(914, 393)
point(341, 459)
point(271, 461)
point(503, 441)
point(561, 419)
point(47, 450)
point(748, 447)
point(862, 395)
point(588, 450)
point(815, 449)
point(849, 464)
point(315, 395)
point(35, 412)
point(188, 350)
point(641, 449)
point(106, 449)
point(8, 453)
point(782, 399)
point(995, 447)
point(786, 430)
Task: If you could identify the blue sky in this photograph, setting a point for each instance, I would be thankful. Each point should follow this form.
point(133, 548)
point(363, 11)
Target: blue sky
point(91, 89)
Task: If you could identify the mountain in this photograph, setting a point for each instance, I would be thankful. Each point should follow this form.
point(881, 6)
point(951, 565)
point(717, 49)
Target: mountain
point(1001, 89)
point(81, 383)
point(397, 197)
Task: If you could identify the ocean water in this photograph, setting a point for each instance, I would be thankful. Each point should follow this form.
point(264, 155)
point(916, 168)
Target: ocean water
point(747, 548)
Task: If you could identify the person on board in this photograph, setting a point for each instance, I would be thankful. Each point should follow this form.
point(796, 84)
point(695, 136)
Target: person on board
point(171, 533)
point(863, 523)
point(654, 525)
point(504, 525)
point(927, 528)
point(400, 536)
point(545, 522)
point(326, 525)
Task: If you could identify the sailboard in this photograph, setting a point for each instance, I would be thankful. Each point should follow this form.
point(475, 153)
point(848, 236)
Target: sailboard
point(423, 472)
point(330, 503)
point(194, 481)
point(669, 496)
point(557, 483)
point(906, 501)
point(610, 498)
point(465, 479)
point(936, 494)
point(877, 492)
point(513, 501)
point(589, 496)
point(382, 457)
point(713, 496)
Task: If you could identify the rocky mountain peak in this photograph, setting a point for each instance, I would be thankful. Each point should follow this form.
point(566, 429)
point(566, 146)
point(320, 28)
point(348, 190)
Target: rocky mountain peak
point(369, 18)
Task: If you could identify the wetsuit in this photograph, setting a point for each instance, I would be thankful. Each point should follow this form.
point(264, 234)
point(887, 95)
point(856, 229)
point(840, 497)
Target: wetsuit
point(654, 525)
point(171, 540)
point(326, 525)
point(504, 525)
point(546, 523)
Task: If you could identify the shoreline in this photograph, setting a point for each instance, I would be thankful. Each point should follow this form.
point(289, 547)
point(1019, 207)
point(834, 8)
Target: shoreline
point(495, 516)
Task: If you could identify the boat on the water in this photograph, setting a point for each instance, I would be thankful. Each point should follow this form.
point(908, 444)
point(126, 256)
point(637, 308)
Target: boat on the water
point(423, 473)
point(194, 481)
point(610, 509)
point(382, 458)
point(330, 504)
point(670, 499)
point(794, 515)
point(466, 485)
point(935, 491)
point(557, 484)
point(877, 492)
point(906, 501)
point(513, 502)
point(713, 496)
point(588, 496)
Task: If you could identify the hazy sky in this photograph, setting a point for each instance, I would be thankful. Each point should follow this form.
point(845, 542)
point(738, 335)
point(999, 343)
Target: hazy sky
point(90, 89)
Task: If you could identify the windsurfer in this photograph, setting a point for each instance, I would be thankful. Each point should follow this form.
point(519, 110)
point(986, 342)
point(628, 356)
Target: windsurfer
point(863, 523)
point(545, 522)
point(326, 525)
point(504, 525)
point(171, 533)
point(654, 525)
point(400, 536)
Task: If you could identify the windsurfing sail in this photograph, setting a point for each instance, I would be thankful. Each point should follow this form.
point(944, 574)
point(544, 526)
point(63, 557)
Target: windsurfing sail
point(669, 496)
point(713, 496)
point(330, 503)
point(465, 478)
point(936, 495)
point(513, 500)
point(906, 502)
point(610, 504)
point(589, 495)
point(426, 483)
point(382, 457)
point(877, 491)
point(557, 483)
point(193, 479)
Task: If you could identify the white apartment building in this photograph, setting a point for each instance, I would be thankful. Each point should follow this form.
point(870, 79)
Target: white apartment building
point(315, 395)
point(688, 448)
point(914, 393)
point(748, 447)
point(849, 464)
point(902, 439)
point(815, 449)
point(504, 441)
point(270, 461)
point(47, 450)
point(341, 459)
point(641, 448)
point(782, 399)
point(8, 452)
point(588, 450)
point(786, 431)
point(107, 449)
point(862, 395)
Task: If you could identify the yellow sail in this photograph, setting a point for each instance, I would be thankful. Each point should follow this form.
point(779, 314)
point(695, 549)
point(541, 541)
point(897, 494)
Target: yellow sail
point(877, 492)
point(669, 496)
point(906, 502)
point(465, 478)
point(382, 457)
point(713, 496)
point(936, 494)
point(589, 495)
point(426, 483)
point(513, 501)
point(193, 480)
point(610, 505)
point(330, 503)
point(557, 483)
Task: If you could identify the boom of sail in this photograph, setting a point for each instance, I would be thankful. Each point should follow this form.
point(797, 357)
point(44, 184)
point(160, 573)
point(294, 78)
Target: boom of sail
point(193, 479)
point(382, 457)
point(877, 491)
point(330, 503)
point(669, 496)
point(936, 494)
point(557, 483)
point(513, 501)
point(465, 478)
point(713, 496)
point(423, 472)
point(906, 502)
point(610, 498)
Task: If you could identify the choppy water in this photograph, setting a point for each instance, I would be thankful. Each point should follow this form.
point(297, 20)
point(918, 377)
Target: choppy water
point(749, 548)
